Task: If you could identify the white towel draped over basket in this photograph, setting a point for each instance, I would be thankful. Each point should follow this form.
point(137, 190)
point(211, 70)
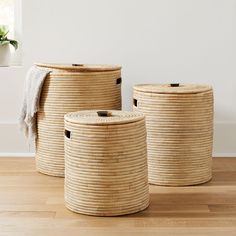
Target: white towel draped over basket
point(32, 89)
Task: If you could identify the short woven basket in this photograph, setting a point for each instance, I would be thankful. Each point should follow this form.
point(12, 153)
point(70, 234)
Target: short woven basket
point(106, 163)
point(71, 88)
point(179, 121)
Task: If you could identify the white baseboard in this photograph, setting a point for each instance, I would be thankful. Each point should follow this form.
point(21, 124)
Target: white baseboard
point(13, 143)
point(224, 154)
point(12, 140)
point(17, 154)
point(224, 139)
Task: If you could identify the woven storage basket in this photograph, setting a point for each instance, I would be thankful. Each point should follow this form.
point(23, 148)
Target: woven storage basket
point(106, 163)
point(71, 88)
point(179, 122)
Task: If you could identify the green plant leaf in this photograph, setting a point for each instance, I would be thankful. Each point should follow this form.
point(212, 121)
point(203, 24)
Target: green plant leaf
point(3, 37)
point(4, 42)
point(3, 31)
point(14, 43)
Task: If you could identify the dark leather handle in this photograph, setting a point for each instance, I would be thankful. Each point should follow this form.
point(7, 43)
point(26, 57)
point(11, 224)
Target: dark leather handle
point(77, 65)
point(118, 81)
point(67, 133)
point(104, 113)
point(174, 85)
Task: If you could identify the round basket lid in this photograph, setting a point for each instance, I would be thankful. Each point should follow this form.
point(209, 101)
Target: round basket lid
point(103, 117)
point(80, 67)
point(172, 88)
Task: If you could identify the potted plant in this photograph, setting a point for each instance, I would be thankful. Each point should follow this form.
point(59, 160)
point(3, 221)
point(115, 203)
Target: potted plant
point(5, 52)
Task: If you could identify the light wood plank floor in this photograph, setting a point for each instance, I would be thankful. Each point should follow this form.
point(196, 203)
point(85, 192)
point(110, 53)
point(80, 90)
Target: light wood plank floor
point(31, 204)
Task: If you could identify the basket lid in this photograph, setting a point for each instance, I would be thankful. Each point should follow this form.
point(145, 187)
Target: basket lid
point(80, 67)
point(103, 117)
point(174, 88)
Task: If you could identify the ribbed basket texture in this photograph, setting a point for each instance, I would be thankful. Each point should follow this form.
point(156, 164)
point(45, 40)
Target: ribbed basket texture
point(179, 123)
point(68, 89)
point(106, 163)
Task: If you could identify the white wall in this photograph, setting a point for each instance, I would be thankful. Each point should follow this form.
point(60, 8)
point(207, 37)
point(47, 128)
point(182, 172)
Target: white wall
point(156, 41)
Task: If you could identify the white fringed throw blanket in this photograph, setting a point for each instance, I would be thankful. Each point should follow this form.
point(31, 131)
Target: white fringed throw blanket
point(33, 85)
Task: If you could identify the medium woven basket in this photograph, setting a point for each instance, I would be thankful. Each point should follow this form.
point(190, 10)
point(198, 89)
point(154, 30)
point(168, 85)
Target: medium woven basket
point(179, 121)
point(66, 89)
point(106, 163)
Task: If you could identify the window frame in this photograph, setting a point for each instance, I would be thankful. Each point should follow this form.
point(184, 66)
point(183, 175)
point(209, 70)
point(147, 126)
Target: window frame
point(17, 56)
point(16, 59)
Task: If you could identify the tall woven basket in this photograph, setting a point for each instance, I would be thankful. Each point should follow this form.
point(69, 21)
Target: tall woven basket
point(105, 163)
point(71, 88)
point(179, 132)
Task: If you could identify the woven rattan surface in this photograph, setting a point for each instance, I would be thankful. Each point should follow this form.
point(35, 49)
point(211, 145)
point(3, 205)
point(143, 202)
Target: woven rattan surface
point(106, 166)
point(179, 133)
point(91, 117)
point(79, 67)
point(68, 91)
point(167, 88)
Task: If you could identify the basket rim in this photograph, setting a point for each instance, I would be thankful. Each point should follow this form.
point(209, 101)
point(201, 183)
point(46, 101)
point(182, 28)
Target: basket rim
point(168, 89)
point(90, 117)
point(80, 67)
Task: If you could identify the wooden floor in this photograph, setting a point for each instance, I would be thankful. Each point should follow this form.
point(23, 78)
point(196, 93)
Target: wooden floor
point(31, 204)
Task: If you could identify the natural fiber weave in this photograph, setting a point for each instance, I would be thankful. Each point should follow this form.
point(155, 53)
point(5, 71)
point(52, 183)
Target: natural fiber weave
point(179, 132)
point(106, 163)
point(66, 90)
